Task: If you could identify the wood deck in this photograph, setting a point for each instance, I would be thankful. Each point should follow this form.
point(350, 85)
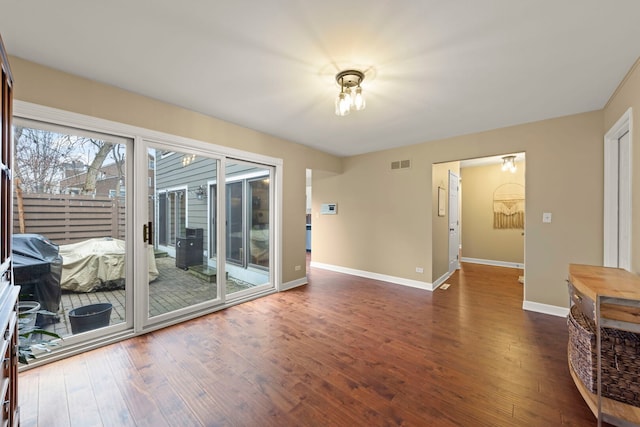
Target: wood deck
point(340, 351)
point(173, 289)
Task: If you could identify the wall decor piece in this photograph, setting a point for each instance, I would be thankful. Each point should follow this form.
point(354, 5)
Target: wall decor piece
point(508, 206)
point(442, 198)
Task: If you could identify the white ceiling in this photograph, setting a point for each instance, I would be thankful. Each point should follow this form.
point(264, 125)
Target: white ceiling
point(434, 68)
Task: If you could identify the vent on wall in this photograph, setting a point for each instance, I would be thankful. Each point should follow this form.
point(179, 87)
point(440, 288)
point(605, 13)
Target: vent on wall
point(400, 164)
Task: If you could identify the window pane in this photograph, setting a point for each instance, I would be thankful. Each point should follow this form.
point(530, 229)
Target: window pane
point(187, 272)
point(247, 233)
point(259, 226)
point(235, 223)
point(71, 198)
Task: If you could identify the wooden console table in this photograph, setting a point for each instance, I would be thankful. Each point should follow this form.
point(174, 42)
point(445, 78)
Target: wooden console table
point(611, 297)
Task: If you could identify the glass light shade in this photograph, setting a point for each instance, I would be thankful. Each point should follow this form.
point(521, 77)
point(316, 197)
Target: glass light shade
point(342, 104)
point(358, 100)
point(509, 164)
point(348, 97)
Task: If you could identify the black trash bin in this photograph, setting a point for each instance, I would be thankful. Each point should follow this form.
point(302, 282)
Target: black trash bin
point(37, 268)
point(89, 317)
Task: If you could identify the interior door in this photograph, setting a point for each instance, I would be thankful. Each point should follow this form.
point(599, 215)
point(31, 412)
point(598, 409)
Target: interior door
point(624, 202)
point(617, 194)
point(454, 223)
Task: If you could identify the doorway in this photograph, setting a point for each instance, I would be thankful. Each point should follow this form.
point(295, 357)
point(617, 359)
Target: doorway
point(491, 212)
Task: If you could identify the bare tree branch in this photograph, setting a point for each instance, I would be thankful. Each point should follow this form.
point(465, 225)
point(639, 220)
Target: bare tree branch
point(92, 174)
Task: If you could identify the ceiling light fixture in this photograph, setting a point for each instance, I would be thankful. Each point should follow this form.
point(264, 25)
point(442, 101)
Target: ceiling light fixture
point(348, 100)
point(509, 163)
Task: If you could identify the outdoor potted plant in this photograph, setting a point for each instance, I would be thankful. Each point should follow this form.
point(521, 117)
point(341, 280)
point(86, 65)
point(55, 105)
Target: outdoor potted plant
point(30, 338)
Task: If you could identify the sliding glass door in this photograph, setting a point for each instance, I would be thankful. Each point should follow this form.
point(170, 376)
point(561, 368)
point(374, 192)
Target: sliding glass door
point(71, 241)
point(235, 235)
point(132, 230)
point(248, 227)
point(182, 278)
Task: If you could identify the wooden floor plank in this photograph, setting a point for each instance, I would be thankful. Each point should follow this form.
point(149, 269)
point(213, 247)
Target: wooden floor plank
point(138, 396)
point(29, 382)
point(342, 350)
point(52, 408)
point(82, 403)
point(111, 404)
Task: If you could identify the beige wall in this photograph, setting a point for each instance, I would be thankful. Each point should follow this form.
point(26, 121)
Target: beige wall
point(378, 210)
point(385, 220)
point(48, 87)
point(628, 95)
point(440, 224)
point(479, 238)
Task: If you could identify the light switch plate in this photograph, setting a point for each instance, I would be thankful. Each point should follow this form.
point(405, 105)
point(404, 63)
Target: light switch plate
point(546, 217)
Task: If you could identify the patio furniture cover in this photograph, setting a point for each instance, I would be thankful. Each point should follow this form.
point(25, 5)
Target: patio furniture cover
point(97, 264)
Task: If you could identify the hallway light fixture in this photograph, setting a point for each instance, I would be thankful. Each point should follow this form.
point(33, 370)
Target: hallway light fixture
point(348, 99)
point(509, 164)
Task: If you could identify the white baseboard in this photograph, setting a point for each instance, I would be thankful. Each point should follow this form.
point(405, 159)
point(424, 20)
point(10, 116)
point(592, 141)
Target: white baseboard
point(493, 262)
point(442, 279)
point(375, 276)
point(293, 284)
point(553, 310)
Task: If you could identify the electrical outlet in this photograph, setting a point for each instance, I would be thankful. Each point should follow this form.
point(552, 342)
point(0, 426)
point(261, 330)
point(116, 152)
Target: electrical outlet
point(419, 270)
point(297, 268)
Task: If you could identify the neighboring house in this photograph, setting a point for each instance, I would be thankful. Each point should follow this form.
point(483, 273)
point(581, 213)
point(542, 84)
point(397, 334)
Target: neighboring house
point(186, 199)
point(109, 179)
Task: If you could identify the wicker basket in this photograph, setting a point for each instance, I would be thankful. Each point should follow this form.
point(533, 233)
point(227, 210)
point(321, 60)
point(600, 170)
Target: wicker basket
point(620, 358)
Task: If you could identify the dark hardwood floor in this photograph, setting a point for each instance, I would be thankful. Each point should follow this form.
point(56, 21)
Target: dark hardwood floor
point(341, 351)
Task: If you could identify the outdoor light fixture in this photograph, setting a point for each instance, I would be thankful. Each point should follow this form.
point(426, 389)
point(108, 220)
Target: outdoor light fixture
point(187, 159)
point(348, 99)
point(200, 192)
point(509, 163)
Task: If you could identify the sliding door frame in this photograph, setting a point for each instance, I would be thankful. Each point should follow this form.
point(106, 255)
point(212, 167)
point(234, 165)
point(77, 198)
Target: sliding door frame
point(139, 206)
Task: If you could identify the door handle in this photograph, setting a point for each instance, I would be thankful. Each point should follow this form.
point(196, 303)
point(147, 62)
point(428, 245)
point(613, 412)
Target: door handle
point(147, 233)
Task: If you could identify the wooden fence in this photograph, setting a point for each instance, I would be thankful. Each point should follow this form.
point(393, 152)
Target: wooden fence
point(67, 219)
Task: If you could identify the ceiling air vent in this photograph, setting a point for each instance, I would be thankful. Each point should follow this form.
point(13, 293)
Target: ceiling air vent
point(400, 164)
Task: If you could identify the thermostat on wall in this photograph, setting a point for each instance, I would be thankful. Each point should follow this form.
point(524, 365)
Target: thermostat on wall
point(329, 208)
